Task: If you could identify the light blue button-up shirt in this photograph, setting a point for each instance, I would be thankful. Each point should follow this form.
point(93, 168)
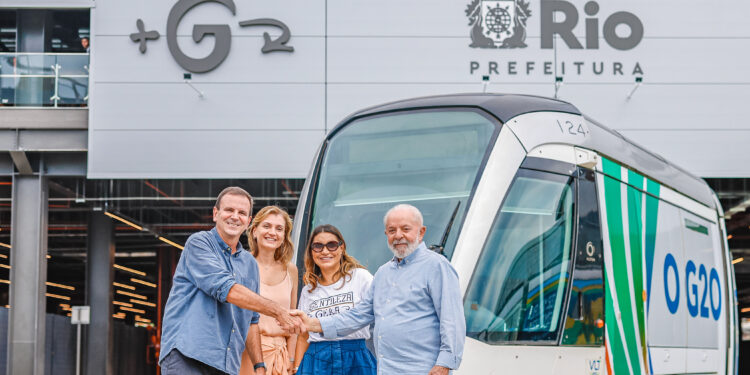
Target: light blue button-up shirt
point(418, 313)
point(198, 320)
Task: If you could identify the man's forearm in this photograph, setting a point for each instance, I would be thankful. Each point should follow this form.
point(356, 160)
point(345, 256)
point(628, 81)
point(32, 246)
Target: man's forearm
point(245, 298)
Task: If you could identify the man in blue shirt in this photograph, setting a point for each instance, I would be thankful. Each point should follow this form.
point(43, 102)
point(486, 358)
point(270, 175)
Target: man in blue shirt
point(213, 306)
point(414, 301)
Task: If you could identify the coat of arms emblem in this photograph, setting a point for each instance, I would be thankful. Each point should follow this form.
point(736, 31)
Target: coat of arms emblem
point(498, 23)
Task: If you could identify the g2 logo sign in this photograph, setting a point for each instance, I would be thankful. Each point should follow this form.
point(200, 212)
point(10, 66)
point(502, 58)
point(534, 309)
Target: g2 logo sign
point(701, 287)
point(221, 33)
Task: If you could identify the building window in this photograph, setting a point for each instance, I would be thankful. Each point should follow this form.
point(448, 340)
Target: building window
point(7, 31)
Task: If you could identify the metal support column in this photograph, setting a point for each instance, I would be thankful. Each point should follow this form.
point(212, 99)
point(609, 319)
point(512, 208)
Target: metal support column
point(99, 278)
point(28, 274)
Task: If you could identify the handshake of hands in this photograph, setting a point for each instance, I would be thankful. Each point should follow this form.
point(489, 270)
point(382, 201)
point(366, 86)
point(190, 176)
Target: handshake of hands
point(297, 321)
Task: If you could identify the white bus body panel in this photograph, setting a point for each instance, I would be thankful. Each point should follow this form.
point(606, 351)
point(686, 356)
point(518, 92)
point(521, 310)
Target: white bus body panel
point(480, 358)
point(502, 164)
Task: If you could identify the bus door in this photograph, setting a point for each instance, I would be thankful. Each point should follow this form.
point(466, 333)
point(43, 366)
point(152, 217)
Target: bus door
point(583, 333)
point(533, 300)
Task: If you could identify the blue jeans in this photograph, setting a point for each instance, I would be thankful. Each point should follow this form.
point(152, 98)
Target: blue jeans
point(342, 357)
point(175, 363)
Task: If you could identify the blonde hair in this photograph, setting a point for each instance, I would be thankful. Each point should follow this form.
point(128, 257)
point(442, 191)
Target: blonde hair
point(284, 252)
point(347, 264)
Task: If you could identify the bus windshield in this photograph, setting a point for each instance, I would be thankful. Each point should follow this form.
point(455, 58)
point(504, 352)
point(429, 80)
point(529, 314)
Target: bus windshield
point(429, 159)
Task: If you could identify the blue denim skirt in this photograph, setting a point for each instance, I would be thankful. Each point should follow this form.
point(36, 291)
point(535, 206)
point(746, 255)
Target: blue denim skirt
point(343, 357)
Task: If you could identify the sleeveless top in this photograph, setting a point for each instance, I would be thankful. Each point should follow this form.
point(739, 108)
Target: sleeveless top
point(280, 293)
point(272, 337)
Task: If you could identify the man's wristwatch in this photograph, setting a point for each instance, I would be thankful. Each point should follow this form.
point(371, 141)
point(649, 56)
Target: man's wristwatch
point(259, 365)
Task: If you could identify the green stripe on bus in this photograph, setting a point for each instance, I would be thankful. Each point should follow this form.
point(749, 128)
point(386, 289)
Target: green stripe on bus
point(616, 342)
point(635, 224)
point(652, 214)
point(619, 362)
point(622, 281)
point(621, 288)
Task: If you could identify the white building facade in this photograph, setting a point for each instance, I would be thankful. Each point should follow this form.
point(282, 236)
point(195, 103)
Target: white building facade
point(670, 75)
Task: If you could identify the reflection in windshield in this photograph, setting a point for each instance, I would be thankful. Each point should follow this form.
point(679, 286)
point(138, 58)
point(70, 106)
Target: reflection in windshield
point(429, 159)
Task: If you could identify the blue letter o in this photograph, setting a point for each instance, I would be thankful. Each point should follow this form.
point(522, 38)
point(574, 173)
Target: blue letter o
point(672, 304)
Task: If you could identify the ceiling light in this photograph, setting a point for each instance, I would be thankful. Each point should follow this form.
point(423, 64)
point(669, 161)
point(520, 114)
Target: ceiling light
point(136, 254)
point(143, 282)
point(122, 303)
point(5, 266)
point(68, 287)
point(132, 310)
point(129, 287)
point(172, 243)
point(740, 259)
point(131, 294)
point(57, 296)
point(143, 303)
point(746, 309)
point(123, 220)
point(140, 273)
point(4, 245)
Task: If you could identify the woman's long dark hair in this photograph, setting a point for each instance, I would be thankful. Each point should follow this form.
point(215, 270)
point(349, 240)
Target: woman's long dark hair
point(347, 264)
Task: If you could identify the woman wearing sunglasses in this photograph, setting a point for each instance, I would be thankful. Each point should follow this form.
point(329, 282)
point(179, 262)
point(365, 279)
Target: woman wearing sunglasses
point(270, 240)
point(334, 283)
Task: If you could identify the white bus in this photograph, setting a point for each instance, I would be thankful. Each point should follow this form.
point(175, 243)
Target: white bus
point(578, 252)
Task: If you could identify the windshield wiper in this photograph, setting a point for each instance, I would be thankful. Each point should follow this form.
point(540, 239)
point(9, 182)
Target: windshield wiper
point(440, 249)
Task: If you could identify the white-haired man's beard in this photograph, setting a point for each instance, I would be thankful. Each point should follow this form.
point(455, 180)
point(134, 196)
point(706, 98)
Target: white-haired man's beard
point(401, 254)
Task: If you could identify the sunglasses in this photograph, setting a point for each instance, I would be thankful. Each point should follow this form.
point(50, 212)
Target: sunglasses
point(331, 246)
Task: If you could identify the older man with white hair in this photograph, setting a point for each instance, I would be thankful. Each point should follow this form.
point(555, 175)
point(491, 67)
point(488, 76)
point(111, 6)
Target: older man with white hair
point(414, 301)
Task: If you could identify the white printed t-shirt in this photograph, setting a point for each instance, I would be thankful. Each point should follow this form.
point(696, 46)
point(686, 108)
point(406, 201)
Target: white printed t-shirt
point(327, 300)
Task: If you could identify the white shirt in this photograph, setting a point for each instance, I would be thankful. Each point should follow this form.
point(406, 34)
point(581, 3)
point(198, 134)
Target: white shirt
point(329, 300)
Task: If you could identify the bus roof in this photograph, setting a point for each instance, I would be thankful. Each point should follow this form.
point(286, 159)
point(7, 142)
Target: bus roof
point(502, 106)
point(608, 141)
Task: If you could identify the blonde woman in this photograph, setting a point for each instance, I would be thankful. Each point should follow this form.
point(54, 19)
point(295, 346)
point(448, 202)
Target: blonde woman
point(270, 240)
point(334, 283)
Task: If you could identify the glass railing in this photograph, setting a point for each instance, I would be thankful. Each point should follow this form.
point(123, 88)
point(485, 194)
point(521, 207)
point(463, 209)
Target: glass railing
point(44, 79)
